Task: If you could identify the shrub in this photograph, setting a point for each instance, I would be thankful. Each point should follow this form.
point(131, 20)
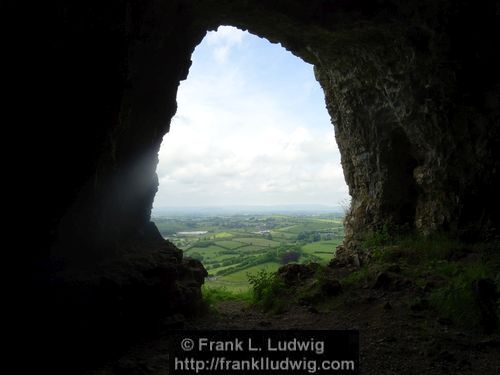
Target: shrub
point(290, 256)
point(415, 249)
point(359, 277)
point(380, 237)
point(458, 301)
point(204, 243)
point(267, 288)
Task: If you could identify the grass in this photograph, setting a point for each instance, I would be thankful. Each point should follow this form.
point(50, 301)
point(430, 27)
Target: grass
point(413, 249)
point(279, 235)
point(236, 287)
point(171, 226)
point(359, 277)
point(272, 294)
point(230, 244)
point(231, 248)
point(238, 281)
point(222, 235)
point(211, 254)
point(324, 250)
point(334, 221)
point(437, 259)
point(257, 241)
point(205, 250)
point(267, 291)
point(457, 300)
point(213, 270)
point(213, 295)
point(253, 249)
point(310, 226)
point(457, 266)
point(243, 274)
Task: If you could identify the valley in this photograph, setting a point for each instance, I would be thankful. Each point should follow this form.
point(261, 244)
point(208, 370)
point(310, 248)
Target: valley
point(233, 246)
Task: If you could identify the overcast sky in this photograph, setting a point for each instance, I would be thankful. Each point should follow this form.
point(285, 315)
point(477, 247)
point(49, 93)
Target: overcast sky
point(251, 129)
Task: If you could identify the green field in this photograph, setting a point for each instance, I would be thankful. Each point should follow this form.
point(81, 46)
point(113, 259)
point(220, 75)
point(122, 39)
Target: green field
point(238, 281)
point(280, 235)
point(209, 253)
point(210, 250)
point(231, 247)
point(314, 225)
point(230, 244)
point(254, 248)
point(322, 249)
point(222, 235)
point(257, 241)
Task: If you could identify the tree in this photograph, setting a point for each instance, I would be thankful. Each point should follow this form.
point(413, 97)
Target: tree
point(302, 236)
point(290, 256)
point(197, 256)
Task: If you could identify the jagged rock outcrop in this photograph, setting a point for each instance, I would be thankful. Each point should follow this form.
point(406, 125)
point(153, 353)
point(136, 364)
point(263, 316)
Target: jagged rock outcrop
point(88, 314)
point(413, 97)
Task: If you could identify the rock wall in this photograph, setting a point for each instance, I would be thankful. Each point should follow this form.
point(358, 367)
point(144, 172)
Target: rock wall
point(413, 92)
point(413, 97)
point(407, 106)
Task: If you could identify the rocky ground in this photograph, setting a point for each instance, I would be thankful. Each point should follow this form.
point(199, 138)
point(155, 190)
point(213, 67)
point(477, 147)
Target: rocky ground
point(398, 334)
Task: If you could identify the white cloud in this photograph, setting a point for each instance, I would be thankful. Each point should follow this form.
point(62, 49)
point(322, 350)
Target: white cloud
point(232, 143)
point(223, 41)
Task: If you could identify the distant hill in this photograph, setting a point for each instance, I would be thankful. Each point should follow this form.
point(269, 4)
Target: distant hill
point(241, 210)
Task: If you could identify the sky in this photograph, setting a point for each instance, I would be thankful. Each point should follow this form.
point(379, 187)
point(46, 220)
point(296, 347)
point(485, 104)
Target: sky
point(251, 128)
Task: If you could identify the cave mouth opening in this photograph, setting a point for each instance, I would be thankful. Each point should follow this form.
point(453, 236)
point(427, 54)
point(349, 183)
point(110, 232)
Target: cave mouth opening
point(250, 152)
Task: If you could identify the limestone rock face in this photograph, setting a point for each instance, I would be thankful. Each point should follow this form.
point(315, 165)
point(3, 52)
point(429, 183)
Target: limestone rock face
point(414, 99)
point(401, 104)
point(412, 94)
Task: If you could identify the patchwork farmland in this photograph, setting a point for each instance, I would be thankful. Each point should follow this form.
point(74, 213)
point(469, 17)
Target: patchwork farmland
point(232, 247)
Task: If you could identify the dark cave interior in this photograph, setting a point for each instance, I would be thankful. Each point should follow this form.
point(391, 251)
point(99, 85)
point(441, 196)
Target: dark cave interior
point(412, 89)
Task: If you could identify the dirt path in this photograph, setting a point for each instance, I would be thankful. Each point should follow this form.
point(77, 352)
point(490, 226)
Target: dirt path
point(393, 338)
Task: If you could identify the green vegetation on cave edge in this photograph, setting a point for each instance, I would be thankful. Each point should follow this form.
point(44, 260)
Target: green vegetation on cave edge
point(245, 257)
point(438, 277)
point(422, 304)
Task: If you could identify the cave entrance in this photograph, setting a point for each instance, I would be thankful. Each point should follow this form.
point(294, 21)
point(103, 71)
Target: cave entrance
point(250, 174)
